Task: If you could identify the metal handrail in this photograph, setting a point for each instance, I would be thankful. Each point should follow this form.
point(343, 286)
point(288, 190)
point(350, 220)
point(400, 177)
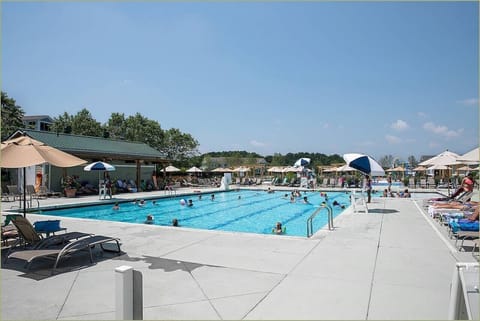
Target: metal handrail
point(310, 219)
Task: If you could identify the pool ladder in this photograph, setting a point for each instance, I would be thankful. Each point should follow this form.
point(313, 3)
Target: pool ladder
point(310, 219)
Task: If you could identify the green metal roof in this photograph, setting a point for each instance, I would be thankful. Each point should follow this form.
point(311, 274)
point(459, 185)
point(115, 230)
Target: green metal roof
point(96, 146)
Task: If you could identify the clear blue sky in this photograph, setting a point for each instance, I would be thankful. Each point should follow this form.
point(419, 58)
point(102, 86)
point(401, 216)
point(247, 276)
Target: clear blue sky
point(379, 78)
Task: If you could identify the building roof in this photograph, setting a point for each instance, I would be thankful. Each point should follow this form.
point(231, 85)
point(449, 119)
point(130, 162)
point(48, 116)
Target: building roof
point(96, 147)
point(38, 117)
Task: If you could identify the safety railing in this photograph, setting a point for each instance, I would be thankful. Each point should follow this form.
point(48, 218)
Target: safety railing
point(317, 211)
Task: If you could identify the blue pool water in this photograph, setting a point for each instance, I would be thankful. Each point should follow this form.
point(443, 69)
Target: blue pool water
point(253, 212)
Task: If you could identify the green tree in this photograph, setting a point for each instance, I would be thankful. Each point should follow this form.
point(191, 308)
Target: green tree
point(141, 129)
point(386, 161)
point(412, 161)
point(62, 124)
point(12, 116)
point(116, 126)
point(84, 124)
point(179, 146)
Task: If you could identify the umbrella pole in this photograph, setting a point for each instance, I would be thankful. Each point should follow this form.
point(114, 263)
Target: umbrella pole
point(24, 192)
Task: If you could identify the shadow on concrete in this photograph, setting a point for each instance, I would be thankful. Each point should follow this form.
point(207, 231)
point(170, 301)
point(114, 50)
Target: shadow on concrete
point(382, 211)
point(166, 265)
point(42, 268)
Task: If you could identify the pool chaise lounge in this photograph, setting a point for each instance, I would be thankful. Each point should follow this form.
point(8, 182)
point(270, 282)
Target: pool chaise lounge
point(82, 244)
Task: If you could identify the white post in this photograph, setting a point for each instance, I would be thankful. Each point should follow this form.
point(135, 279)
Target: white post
point(455, 291)
point(124, 293)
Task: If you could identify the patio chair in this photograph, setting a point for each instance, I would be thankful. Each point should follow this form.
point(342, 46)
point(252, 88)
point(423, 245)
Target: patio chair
point(13, 192)
point(31, 191)
point(29, 237)
point(82, 244)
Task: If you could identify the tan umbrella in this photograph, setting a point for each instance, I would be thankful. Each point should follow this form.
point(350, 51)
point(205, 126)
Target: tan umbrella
point(241, 169)
point(420, 169)
point(292, 169)
point(171, 169)
point(222, 170)
point(396, 169)
point(345, 168)
point(25, 151)
point(194, 169)
point(275, 169)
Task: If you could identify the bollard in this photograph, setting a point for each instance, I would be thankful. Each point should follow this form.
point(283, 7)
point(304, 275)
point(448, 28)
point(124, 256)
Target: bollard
point(124, 293)
point(128, 293)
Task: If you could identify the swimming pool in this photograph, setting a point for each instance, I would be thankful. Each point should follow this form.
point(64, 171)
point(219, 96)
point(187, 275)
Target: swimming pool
point(247, 211)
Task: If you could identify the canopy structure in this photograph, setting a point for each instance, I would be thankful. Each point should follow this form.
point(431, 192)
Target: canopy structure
point(275, 169)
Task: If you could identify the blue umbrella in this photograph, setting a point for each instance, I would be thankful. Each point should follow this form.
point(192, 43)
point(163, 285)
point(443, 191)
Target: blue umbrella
point(99, 166)
point(302, 162)
point(364, 164)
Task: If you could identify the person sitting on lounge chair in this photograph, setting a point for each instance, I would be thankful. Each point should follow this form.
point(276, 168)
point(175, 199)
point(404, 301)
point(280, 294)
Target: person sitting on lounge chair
point(466, 186)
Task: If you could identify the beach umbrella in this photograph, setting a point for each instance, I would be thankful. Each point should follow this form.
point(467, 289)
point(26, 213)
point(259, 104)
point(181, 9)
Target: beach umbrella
point(222, 170)
point(472, 157)
point(99, 167)
point(171, 169)
point(275, 169)
point(194, 170)
point(438, 167)
point(364, 164)
point(241, 169)
point(396, 169)
point(25, 151)
point(345, 168)
point(302, 162)
point(445, 158)
point(292, 169)
point(420, 169)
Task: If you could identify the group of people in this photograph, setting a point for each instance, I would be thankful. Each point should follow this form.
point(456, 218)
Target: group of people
point(404, 194)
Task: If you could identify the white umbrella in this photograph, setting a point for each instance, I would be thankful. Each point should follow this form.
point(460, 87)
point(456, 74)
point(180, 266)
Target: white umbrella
point(445, 158)
point(194, 170)
point(364, 164)
point(472, 157)
point(171, 169)
point(438, 167)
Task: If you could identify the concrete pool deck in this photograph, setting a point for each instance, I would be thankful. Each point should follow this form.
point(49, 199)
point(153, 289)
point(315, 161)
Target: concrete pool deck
point(392, 263)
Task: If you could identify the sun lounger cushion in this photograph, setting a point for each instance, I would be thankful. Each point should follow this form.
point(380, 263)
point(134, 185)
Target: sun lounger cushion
point(463, 225)
point(47, 226)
